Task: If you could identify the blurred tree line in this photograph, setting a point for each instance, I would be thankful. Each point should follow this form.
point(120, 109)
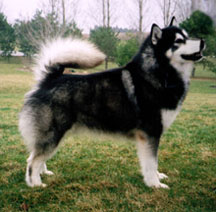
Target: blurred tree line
point(48, 22)
point(31, 34)
point(27, 36)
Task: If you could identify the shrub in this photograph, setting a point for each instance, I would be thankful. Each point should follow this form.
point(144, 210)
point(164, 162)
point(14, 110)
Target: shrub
point(126, 50)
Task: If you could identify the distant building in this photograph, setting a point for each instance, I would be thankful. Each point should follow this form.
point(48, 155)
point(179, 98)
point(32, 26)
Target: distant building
point(14, 54)
point(17, 54)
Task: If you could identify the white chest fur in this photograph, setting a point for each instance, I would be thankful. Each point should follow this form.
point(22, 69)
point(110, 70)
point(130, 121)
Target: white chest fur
point(168, 117)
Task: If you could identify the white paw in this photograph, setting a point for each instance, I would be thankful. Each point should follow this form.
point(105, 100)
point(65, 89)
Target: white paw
point(34, 181)
point(161, 185)
point(29, 184)
point(39, 185)
point(48, 172)
point(43, 185)
point(153, 181)
point(36, 185)
point(161, 176)
point(157, 185)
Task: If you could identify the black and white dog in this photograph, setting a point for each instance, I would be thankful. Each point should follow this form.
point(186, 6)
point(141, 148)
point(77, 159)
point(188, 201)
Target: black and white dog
point(142, 98)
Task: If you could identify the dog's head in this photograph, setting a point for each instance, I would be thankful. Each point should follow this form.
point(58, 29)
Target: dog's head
point(175, 44)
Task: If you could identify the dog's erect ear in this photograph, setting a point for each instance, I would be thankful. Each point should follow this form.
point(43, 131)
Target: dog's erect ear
point(156, 34)
point(173, 21)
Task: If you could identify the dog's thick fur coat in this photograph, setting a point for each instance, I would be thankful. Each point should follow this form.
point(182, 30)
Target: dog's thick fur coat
point(141, 98)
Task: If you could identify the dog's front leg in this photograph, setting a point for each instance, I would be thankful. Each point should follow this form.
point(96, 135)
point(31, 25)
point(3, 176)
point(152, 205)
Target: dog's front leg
point(147, 153)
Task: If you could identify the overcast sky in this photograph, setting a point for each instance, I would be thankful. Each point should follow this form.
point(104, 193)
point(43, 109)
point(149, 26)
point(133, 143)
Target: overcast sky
point(24, 9)
point(15, 9)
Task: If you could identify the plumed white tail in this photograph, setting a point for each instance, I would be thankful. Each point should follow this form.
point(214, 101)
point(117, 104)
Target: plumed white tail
point(66, 52)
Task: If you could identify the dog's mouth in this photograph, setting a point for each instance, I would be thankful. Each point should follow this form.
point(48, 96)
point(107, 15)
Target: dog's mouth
point(197, 55)
point(194, 57)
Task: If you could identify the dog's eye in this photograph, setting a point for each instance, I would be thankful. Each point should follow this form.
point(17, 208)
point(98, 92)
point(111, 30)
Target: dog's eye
point(180, 41)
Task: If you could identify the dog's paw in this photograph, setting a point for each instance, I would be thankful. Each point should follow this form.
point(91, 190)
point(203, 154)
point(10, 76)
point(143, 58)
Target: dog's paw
point(43, 185)
point(36, 185)
point(162, 185)
point(47, 172)
point(161, 175)
point(157, 185)
point(154, 181)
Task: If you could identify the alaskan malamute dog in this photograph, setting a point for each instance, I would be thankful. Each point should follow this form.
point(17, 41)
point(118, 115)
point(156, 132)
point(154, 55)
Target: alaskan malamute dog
point(142, 98)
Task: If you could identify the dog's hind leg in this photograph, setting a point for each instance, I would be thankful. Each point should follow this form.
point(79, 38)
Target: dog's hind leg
point(34, 165)
point(147, 153)
point(42, 151)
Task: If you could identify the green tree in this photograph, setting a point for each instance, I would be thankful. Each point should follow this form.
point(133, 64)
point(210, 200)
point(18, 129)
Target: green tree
point(198, 25)
point(71, 29)
point(33, 32)
point(7, 37)
point(24, 44)
point(106, 40)
point(126, 50)
point(201, 25)
point(211, 44)
point(39, 29)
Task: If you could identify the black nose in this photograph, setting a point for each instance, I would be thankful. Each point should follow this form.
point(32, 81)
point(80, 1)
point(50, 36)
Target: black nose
point(202, 44)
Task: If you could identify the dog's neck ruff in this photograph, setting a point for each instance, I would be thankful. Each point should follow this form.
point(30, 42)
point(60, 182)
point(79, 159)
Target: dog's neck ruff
point(168, 85)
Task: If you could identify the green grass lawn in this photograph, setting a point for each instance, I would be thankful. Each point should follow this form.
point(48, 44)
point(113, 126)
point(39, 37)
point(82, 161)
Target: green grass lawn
point(101, 173)
point(200, 73)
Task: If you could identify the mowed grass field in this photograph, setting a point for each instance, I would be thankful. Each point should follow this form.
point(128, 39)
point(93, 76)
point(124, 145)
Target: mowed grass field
point(101, 173)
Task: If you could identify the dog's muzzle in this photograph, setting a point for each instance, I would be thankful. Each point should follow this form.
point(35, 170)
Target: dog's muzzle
point(197, 55)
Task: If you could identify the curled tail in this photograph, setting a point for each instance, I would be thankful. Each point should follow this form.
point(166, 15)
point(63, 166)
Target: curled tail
point(61, 53)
